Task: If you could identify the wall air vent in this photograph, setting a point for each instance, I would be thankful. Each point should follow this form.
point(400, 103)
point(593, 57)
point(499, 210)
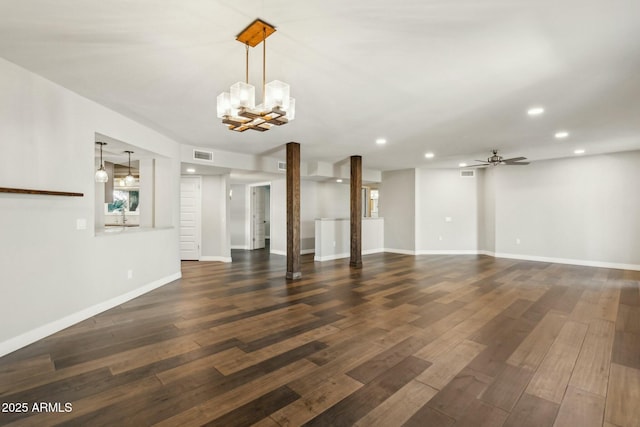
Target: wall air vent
point(282, 166)
point(469, 173)
point(203, 155)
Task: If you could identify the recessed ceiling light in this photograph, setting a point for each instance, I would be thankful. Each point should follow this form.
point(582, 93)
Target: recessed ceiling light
point(463, 165)
point(535, 111)
point(338, 180)
point(578, 151)
point(381, 141)
point(429, 155)
point(561, 134)
point(191, 170)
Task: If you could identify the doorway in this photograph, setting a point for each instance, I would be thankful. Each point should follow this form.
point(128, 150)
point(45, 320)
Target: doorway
point(259, 216)
point(190, 221)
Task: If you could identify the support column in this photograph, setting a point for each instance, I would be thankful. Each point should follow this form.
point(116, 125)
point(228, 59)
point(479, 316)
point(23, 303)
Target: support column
point(356, 212)
point(293, 211)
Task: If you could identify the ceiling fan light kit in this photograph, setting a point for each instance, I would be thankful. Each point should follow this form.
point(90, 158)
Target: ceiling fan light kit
point(237, 108)
point(495, 160)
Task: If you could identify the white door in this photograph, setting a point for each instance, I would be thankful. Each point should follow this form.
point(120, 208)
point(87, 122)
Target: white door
point(190, 217)
point(257, 206)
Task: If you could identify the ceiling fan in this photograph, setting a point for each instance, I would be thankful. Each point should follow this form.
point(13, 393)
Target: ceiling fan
point(496, 160)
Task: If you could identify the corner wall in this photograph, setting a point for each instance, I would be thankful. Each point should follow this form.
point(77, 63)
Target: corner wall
point(578, 210)
point(53, 274)
point(397, 205)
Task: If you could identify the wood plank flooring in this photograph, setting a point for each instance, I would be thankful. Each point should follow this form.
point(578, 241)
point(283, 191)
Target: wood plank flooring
point(405, 341)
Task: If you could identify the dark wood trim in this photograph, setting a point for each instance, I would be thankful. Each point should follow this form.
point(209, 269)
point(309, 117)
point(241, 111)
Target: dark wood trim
point(293, 211)
point(39, 192)
point(356, 212)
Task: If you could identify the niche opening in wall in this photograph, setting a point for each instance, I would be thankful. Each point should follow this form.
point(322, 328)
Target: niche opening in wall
point(120, 203)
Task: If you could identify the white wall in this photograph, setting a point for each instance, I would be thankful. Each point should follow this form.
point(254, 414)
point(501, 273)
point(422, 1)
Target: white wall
point(239, 217)
point(215, 245)
point(441, 194)
point(279, 216)
point(308, 214)
point(54, 275)
point(585, 209)
point(486, 211)
point(397, 205)
point(334, 200)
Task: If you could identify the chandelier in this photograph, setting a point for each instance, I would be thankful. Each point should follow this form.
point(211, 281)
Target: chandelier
point(237, 108)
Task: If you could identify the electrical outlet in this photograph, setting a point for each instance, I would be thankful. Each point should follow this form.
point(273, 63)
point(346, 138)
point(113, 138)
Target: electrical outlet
point(129, 274)
point(334, 243)
point(81, 224)
point(439, 237)
point(447, 219)
point(517, 241)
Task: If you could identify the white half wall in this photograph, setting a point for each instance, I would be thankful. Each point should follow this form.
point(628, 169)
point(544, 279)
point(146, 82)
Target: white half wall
point(54, 274)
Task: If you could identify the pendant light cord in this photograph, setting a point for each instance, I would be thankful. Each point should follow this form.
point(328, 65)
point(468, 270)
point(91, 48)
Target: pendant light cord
point(247, 64)
point(264, 63)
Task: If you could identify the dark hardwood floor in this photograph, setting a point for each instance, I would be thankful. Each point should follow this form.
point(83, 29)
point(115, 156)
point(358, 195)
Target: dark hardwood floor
point(414, 341)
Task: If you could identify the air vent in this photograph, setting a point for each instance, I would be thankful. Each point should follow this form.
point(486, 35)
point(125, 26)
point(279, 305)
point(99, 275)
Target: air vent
point(282, 166)
point(203, 155)
point(468, 173)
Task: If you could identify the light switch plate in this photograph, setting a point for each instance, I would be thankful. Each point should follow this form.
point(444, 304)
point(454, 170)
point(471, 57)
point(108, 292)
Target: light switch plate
point(81, 224)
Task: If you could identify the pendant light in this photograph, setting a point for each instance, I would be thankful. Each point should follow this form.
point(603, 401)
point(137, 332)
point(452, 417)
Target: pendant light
point(101, 173)
point(237, 108)
point(129, 179)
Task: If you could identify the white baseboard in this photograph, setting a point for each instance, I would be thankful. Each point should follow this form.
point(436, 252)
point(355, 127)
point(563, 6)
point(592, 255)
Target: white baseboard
point(331, 257)
point(400, 251)
point(284, 253)
point(372, 251)
point(242, 247)
point(23, 340)
point(346, 255)
point(586, 263)
point(215, 258)
point(447, 252)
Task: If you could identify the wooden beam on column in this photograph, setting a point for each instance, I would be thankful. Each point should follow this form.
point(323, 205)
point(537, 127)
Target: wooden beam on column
point(293, 211)
point(356, 212)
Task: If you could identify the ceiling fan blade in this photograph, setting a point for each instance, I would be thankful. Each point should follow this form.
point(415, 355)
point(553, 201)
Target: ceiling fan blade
point(483, 165)
point(516, 163)
point(515, 159)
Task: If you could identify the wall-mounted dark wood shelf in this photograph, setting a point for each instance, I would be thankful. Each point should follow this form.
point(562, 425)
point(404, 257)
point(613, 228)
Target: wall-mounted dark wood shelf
point(40, 192)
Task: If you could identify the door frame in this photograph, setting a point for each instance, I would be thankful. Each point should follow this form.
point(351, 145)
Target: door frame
point(249, 211)
point(197, 178)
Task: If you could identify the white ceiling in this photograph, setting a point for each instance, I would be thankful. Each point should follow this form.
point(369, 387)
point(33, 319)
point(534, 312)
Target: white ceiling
point(454, 77)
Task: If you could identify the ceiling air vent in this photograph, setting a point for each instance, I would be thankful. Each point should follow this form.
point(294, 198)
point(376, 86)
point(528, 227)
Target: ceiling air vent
point(282, 166)
point(203, 155)
point(468, 173)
